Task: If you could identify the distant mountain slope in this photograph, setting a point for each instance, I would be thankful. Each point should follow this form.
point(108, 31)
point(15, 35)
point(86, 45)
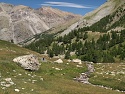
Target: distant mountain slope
point(90, 18)
point(106, 9)
point(18, 23)
point(99, 38)
point(112, 22)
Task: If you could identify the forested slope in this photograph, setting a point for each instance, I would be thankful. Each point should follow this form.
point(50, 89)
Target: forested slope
point(103, 41)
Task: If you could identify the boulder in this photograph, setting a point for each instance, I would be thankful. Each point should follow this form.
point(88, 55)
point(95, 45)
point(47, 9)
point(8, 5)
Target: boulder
point(29, 62)
point(77, 61)
point(59, 61)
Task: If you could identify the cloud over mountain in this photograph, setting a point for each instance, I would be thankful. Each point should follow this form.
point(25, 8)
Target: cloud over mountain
point(64, 4)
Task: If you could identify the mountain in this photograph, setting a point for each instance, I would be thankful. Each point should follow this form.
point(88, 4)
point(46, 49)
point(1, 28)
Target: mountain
point(93, 43)
point(112, 22)
point(105, 9)
point(18, 23)
point(103, 41)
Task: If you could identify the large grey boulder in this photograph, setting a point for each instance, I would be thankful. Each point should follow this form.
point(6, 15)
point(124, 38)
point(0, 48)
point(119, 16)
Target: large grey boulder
point(29, 62)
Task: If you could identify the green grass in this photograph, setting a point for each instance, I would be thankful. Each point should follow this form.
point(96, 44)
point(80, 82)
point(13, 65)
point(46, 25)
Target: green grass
point(54, 81)
point(109, 75)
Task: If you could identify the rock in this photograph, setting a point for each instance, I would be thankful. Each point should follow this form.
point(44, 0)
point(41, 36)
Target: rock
point(78, 66)
point(58, 69)
point(83, 78)
point(69, 60)
point(8, 79)
point(29, 62)
point(90, 68)
point(59, 61)
point(7, 82)
point(17, 90)
point(77, 61)
point(41, 79)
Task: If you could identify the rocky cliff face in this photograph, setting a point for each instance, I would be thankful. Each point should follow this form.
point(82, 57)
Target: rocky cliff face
point(18, 23)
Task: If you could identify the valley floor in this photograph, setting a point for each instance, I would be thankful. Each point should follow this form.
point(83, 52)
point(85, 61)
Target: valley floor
point(53, 78)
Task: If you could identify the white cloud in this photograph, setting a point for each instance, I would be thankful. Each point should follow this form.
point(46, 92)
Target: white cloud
point(64, 4)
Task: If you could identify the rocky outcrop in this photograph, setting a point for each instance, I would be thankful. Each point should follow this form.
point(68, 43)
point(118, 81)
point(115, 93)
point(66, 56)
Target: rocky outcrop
point(28, 62)
point(18, 23)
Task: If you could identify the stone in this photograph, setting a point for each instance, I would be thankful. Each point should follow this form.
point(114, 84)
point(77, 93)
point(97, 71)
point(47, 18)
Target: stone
point(59, 61)
point(77, 61)
point(57, 69)
point(17, 90)
point(28, 62)
point(8, 79)
point(7, 82)
point(90, 68)
point(83, 78)
point(69, 60)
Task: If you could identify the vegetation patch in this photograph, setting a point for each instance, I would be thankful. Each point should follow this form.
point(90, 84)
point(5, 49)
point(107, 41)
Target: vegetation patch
point(109, 75)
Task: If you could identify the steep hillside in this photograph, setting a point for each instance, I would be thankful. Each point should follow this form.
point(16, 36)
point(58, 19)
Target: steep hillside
point(18, 23)
point(114, 21)
point(96, 43)
point(106, 9)
point(90, 18)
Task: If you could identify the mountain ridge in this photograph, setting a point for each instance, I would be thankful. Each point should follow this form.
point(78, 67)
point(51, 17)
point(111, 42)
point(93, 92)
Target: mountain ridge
point(99, 38)
point(18, 23)
point(94, 16)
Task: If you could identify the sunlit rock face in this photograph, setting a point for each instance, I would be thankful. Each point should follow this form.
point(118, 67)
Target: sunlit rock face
point(28, 62)
point(18, 23)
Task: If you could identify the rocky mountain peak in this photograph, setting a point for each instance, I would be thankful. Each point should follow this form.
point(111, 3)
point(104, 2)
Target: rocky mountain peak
point(21, 7)
point(18, 23)
point(6, 7)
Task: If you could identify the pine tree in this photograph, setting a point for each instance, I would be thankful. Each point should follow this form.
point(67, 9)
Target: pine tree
point(51, 54)
point(85, 36)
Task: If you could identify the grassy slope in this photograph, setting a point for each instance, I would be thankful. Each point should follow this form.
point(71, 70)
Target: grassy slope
point(54, 82)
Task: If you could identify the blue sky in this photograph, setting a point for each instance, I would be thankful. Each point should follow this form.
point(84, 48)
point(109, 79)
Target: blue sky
point(74, 6)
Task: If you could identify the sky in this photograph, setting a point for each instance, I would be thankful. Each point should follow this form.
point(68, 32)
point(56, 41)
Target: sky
point(75, 6)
